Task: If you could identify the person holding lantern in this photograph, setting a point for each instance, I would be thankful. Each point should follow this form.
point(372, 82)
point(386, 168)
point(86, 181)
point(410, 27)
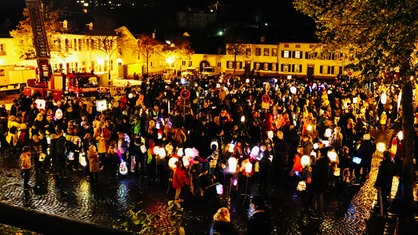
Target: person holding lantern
point(180, 180)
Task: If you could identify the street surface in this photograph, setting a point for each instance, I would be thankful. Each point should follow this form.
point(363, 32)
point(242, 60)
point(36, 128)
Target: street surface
point(348, 208)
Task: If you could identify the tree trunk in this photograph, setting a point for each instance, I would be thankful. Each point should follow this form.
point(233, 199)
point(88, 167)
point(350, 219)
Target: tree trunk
point(407, 176)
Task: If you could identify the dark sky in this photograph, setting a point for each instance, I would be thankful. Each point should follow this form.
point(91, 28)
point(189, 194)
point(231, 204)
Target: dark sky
point(284, 22)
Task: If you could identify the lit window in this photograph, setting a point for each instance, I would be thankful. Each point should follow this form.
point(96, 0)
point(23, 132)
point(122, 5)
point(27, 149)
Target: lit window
point(285, 54)
point(298, 54)
point(266, 52)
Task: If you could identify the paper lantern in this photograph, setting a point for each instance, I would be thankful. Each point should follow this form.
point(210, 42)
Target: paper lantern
point(123, 169)
point(305, 160)
point(293, 90)
point(332, 155)
point(58, 114)
point(232, 165)
point(172, 162)
point(188, 152)
point(328, 132)
point(180, 152)
point(82, 159)
point(248, 167)
point(380, 147)
point(255, 150)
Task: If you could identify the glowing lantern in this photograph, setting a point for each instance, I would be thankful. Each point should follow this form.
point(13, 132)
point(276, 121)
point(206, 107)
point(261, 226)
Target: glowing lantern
point(328, 132)
point(309, 128)
point(143, 148)
point(381, 147)
point(219, 189)
point(383, 98)
point(156, 150)
point(231, 148)
point(42, 157)
point(293, 90)
point(180, 152)
point(242, 118)
point(255, 150)
point(169, 149)
point(188, 152)
point(162, 153)
point(186, 161)
point(248, 167)
point(232, 165)
point(305, 160)
point(270, 134)
point(123, 169)
point(172, 162)
point(400, 135)
point(58, 114)
point(315, 146)
point(332, 155)
point(82, 159)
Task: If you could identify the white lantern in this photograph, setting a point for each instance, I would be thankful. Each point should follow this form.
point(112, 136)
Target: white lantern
point(332, 155)
point(82, 159)
point(328, 132)
point(188, 152)
point(255, 150)
point(248, 167)
point(242, 118)
point(186, 161)
point(305, 160)
point(293, 90)
point(270, 134)
point(380, 147)
point(383, 98)
point(232, 165)
point(172, 162)
point(400, 135)
point(58, 114)
point(143, 148)
point(180, 152)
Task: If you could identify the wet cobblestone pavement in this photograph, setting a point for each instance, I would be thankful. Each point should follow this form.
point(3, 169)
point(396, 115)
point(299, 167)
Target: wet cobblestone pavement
point(348, 208)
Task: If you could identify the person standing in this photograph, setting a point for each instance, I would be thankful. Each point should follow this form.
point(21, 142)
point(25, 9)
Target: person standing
point(94, 163)
point(222, 223)
point(179, 180)
point(59, 149)
point(26, 165)
point(260, 221)
point(319, 184)
point(383, 182)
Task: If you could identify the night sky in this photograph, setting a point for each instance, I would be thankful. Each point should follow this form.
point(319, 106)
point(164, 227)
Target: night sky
point(283, 22)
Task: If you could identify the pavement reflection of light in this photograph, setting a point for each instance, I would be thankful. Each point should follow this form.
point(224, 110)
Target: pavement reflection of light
point(84, 192)
point(122, 195)
point(351, 212)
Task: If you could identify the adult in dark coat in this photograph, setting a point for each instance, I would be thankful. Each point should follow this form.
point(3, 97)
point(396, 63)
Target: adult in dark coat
point(260, 222)
point(365, 152)
point(383, 182)
point(319, 185)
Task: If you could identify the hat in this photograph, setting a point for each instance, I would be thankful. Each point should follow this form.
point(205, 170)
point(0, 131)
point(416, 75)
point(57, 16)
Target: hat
point(258, 201)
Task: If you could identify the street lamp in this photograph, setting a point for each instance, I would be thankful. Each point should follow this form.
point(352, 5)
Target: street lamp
point(170, 61)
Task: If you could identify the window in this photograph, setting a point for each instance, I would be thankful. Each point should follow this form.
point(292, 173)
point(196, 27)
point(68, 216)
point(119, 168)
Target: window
point(266, 52)
point(257, 66)
point(285, 54)
point(257, 51)
point(2, 49)
point(297, 46)
point(311, 55)
point(190, 64)
point(75, 44)
point(230, 64)
point(285, 68)
point(274, 52)
point(2, 73)
point(183, 63)
point(266, 66)
point(297, 54)
point(330, 69)
point(297, 68)
point(274, 66)
point(80, 45)
point(248, 51)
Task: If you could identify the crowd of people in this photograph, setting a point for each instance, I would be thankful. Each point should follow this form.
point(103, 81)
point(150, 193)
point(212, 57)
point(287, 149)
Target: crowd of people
point(268, 124)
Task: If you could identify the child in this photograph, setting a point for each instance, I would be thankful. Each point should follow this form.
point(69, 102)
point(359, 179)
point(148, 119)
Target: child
point(26, 165)
point(94, 161)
